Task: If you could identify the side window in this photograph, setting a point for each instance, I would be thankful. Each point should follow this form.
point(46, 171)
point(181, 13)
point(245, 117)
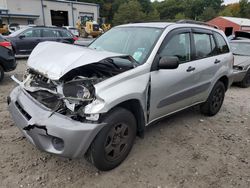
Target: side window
point(179, 46)
point(203, 45)
point(222, 45)
point(65, 33)
point(28, 34)
point(49, 33)
point(32, 33)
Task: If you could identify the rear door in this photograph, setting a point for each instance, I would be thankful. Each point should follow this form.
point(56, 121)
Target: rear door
point(28, 41)
point(172, 89)
point(66, 36)
point(207, 61)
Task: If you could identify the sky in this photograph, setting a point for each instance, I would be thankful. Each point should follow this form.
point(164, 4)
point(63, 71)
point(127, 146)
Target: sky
point(230, 1)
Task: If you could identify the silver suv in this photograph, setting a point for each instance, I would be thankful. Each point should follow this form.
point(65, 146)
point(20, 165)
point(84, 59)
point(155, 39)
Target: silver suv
point(92, 102)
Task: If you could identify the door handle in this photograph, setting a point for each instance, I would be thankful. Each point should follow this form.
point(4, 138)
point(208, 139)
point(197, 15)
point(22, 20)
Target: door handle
point(217, 61)
point(190, 69)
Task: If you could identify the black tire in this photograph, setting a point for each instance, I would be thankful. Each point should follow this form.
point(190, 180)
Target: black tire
point(245, 83)
point(215, 100)
point(114, 142)
point(1, 73)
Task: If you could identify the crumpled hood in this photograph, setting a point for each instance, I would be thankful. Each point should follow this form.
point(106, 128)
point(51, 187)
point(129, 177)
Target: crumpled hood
point(54, 59)
point(241, 60)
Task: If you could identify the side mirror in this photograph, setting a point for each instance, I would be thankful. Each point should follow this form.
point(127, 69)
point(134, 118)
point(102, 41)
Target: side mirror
point(21, 36)
point(168, 62)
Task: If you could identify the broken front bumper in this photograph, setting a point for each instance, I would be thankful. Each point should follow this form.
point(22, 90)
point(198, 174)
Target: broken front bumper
point(50, 132)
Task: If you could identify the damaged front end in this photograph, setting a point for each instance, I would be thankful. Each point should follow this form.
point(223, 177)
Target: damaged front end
point(74, 91)
point(68, 98)
point(53, 114)
point(56, 105)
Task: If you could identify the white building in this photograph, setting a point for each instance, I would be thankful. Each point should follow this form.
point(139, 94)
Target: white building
point(46, 12)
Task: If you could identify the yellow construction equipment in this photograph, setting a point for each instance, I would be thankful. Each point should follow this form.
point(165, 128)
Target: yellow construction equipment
point(88, 27)
point(3, 28)
point(105, 27)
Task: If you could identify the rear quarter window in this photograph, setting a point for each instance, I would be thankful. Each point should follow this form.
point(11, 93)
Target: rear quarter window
point(221, 43)
point(65, 33)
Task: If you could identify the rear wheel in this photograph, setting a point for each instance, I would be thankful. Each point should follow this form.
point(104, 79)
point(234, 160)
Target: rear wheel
point(215, 100)
point(246, 81)
point(1, 73)
point(114, 142)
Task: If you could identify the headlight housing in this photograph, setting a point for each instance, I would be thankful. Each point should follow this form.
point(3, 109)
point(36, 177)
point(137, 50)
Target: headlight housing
point(79, 89)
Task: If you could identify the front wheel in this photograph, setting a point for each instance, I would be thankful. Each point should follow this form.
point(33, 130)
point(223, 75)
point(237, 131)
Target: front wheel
point(114, 142)
point(215, 100)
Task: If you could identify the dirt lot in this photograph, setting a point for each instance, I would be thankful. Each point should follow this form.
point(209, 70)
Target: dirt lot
point(186, 150)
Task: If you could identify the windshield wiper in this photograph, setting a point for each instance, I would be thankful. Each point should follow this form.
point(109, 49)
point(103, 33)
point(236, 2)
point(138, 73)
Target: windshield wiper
point(108, 60)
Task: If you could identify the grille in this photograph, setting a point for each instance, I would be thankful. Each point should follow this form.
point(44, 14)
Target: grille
point(49, 100)
point(25, 114)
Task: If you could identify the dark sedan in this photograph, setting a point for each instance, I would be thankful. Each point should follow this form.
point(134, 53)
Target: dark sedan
point(7, 58)
point(26, 39)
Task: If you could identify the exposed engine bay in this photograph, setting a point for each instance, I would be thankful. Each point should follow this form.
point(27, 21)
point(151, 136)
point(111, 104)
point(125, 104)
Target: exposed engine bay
point(75, 90)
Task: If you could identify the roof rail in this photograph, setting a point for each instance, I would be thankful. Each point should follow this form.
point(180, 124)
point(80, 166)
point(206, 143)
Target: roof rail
point(198, 23)
point(45, 26)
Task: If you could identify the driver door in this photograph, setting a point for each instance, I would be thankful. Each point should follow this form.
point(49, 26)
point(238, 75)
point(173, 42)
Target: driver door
point(28, 41)
point(171, 89)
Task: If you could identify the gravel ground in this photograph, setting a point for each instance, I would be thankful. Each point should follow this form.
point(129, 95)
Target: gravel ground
point(185, 150)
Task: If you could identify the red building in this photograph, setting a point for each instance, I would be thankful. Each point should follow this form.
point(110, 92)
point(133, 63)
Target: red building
point(231, 24)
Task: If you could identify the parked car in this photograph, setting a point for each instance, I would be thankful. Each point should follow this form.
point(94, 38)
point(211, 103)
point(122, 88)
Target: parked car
point(92, 102)
point(26, 39)
point(241, 51)
point(73, 30)
point(7, 58)
point(85, 42)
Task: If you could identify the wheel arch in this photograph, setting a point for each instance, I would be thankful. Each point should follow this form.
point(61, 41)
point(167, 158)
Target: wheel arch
point(135, 107)
point(225, 81)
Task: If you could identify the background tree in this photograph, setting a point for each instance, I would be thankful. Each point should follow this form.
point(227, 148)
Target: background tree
point(146, 6)
point(129, 12)
point(169, 10)
point(215, 4)
point(232, 10)
point(194, 8)
point(244, 8)
point(153, 15)
point(208, 14)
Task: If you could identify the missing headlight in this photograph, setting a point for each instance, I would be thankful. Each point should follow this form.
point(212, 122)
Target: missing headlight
point(79, 89)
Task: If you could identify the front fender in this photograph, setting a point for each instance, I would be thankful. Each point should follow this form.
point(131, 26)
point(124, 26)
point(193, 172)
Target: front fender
point(116, 93)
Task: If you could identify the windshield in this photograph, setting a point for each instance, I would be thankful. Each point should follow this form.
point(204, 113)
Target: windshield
point(137, 42)
point(241, 48)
